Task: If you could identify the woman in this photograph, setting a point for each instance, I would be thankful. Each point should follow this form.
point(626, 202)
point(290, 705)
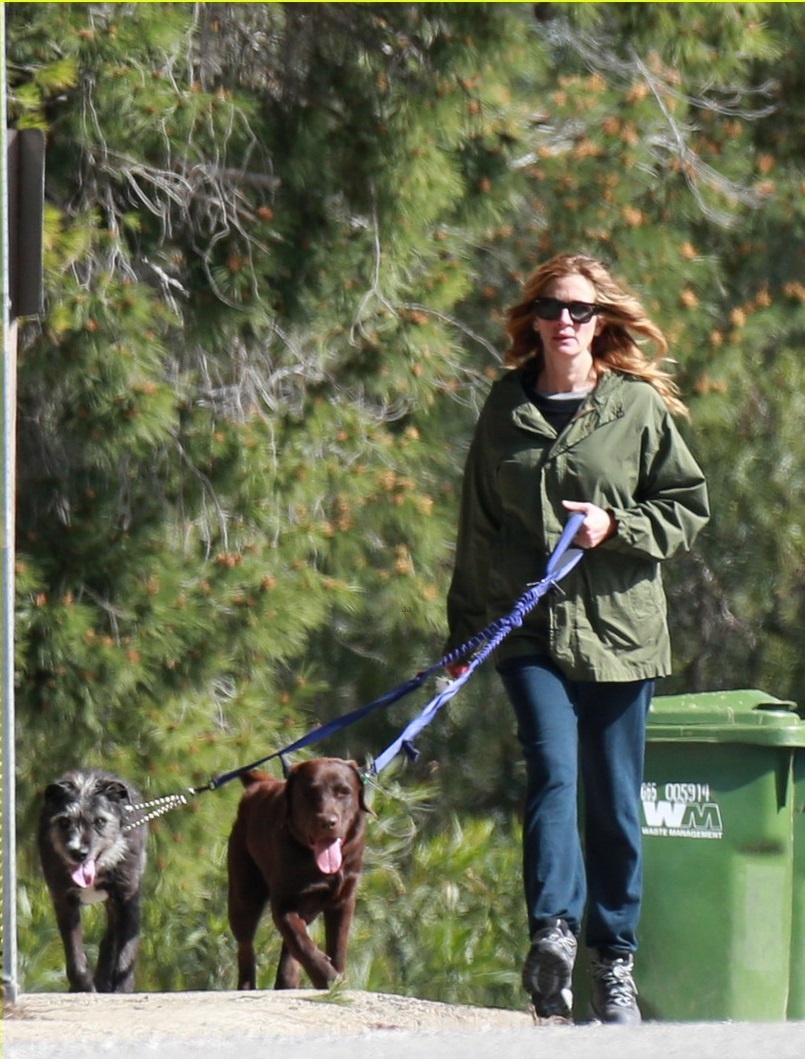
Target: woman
point(582, 422)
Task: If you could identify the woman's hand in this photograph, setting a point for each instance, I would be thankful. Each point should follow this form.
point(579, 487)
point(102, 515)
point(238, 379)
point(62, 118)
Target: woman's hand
point(597, 526)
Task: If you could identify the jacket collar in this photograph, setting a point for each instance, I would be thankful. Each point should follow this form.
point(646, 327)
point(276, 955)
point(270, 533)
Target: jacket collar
point(604, 404)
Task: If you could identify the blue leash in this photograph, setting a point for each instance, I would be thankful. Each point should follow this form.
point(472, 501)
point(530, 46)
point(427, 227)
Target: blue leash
point(561, 561)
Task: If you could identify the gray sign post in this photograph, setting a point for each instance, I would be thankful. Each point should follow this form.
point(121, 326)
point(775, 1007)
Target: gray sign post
point(22, 155)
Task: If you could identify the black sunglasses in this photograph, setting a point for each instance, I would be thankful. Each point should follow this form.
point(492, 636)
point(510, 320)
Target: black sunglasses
point(551, 309)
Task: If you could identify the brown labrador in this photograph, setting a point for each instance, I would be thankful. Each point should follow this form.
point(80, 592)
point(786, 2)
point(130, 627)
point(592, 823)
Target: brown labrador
point(298, 844)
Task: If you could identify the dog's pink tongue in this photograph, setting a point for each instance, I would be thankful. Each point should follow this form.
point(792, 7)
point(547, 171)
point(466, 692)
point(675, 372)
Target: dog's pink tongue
point(328, 855)
point(84, 874)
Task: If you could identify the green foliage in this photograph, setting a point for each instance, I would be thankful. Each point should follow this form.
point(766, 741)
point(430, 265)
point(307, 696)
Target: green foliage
point(278, 246)
point(448, 923)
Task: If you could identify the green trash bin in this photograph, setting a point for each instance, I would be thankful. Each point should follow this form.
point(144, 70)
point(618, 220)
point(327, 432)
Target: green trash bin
point(722, 933)
point(796, 991)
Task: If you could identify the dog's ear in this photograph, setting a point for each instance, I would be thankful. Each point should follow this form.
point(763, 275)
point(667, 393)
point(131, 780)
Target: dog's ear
point(290, 783)
point(114, 790)
point(58, 794)
point(361, 789)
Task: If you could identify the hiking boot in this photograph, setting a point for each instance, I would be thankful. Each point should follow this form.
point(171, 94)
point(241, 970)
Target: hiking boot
point(614, 994)
point(548, 971)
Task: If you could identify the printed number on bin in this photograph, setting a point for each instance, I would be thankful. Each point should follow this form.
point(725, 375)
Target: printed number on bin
point(675, 792)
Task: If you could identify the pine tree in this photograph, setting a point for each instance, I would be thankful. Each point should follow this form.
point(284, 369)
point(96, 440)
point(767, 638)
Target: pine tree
point(234, 492)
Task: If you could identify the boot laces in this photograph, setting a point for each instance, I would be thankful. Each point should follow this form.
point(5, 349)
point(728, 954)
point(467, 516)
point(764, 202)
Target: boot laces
point(616, 978)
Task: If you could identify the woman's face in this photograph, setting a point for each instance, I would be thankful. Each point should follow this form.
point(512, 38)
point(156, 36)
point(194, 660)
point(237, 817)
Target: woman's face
point(564, 341)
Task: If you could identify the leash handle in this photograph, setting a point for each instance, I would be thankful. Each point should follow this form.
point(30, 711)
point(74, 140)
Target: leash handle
point(572, 527)
point(556, 568)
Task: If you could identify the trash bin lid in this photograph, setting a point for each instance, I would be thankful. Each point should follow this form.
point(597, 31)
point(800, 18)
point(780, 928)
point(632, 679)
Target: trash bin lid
point(747, 716)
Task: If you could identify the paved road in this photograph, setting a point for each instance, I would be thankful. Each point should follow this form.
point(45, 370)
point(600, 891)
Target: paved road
point(359, 1026)
point(657, 1041)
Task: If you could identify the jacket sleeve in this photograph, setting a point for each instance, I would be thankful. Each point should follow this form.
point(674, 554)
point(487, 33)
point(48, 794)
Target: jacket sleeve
point(671, 505)
point(478, 525)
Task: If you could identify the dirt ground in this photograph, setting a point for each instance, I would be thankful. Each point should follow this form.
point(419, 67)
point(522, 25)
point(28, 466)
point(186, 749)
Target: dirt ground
point(350, 1025)
point(54, 1017)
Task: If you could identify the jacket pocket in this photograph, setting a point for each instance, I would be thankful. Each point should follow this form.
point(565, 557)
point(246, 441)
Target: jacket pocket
point(629, 612)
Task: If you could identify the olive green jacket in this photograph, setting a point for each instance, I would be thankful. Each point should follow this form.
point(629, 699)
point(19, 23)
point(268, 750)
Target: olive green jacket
point(623, 452)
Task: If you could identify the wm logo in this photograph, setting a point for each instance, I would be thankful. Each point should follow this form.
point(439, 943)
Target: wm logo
point(683, 816)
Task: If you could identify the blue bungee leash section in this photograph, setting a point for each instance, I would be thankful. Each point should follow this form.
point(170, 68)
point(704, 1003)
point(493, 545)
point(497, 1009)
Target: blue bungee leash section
point(561, 561)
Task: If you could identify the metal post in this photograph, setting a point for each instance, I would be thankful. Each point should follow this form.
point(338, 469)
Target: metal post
point(9, 417)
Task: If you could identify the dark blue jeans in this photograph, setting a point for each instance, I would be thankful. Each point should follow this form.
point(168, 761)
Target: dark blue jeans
point(565, 728)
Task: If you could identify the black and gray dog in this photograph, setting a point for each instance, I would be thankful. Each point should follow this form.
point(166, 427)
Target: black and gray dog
point(88, 854)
